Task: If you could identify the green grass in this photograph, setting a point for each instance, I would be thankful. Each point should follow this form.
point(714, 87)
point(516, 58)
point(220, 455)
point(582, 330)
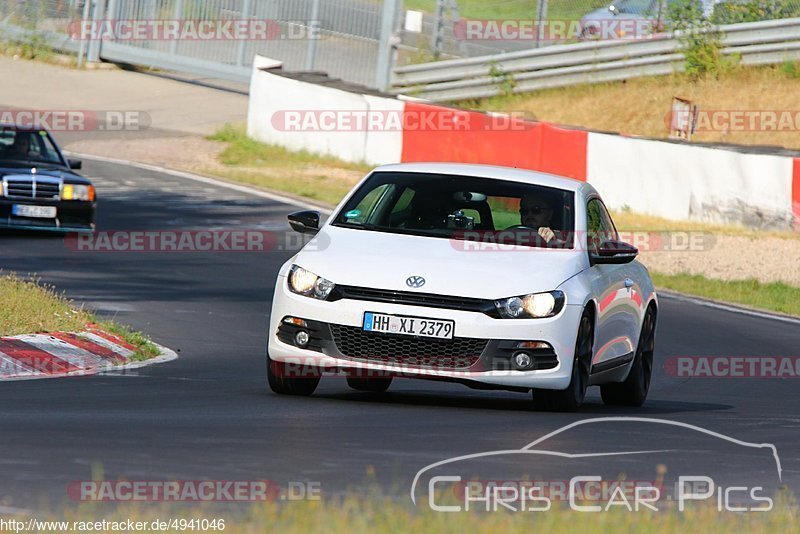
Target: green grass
point(244, 151)
point(776, 296)
point(322, 178)
point(513, 9)
point(381, 515)
point(29, 307)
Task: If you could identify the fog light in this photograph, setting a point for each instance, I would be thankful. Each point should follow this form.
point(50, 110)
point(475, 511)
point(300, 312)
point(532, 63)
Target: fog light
point(301, 338)
point(522, 360)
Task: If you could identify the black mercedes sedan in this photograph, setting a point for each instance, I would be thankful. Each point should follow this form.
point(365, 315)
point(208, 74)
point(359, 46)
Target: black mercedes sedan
point(40, 190)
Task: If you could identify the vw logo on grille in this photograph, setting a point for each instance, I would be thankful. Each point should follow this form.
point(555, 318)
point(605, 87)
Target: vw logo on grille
point(415, 281)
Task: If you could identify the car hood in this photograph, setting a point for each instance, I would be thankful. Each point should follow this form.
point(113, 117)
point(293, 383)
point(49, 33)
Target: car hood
point(384, 261)
point(22, 170)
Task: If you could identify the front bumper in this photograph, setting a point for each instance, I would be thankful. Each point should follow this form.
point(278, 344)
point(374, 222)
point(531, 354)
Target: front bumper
point(480, 353)
point(71, 215)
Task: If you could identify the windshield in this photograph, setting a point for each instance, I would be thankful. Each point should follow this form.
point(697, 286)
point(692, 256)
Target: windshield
point(636, 7)
point(461, 207)
point(27, 146)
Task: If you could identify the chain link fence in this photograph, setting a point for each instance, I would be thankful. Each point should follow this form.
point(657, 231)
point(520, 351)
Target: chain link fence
point(355, 40)
point(468, 28)
point(343, 38)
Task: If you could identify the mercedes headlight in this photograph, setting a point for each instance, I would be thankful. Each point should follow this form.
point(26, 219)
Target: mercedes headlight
point(306, 283)
point(77, 192)
point(533, 306)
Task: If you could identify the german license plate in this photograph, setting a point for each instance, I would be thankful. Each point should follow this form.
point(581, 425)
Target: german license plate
point(38, 212)
point(409, 326)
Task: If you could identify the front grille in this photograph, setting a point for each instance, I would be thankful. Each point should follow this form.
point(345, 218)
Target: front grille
point(429, 300)
point(32, 188)
point(456, 353)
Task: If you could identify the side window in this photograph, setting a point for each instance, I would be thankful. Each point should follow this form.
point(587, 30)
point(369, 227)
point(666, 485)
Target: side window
point(599, 225)
point(404, 201)
point(608, 227)
point(365, 208)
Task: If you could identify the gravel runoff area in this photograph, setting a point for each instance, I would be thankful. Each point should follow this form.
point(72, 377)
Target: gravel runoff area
point(725, 257)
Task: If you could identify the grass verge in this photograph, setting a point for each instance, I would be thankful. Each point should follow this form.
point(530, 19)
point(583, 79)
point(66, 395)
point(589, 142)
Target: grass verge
point(27, 307)
point(381, 515)
point(322, 178)
point(777, 297)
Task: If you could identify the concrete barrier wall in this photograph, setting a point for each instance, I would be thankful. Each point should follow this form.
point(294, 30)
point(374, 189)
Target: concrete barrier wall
point(685, 182)
point(670, 180)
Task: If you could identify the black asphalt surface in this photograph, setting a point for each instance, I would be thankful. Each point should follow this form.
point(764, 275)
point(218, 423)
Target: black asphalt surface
point(209, 415)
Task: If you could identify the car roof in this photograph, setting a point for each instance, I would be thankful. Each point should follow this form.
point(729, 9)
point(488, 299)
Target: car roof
point(489, 171)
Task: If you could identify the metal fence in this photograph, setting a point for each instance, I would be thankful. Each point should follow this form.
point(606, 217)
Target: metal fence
point(348, 39)
point(756, 43)
point(441, 39)
point(358, 41)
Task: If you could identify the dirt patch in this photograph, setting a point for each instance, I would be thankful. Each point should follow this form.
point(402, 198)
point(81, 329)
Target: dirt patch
point(767, 259)
point(188, 152)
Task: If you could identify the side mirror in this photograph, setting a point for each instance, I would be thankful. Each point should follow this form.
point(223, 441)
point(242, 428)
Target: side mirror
point(75, 164)
point(613, 252)
point(305, 222)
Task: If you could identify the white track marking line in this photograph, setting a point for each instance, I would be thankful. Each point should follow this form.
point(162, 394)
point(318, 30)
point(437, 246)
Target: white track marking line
point(206, 180)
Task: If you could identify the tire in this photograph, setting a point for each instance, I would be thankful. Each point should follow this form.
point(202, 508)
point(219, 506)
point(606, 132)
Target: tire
point(373, 385)
point(571, 399)
point(281, 383)
point(633, 391)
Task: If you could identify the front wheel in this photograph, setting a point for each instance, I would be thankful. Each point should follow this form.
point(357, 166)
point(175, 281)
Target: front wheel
point(633, 391)
point(571, 399)
point(292, 379)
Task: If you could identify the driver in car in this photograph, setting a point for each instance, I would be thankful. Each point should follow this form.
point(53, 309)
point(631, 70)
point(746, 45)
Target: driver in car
point(20, 148)
point(536, 212)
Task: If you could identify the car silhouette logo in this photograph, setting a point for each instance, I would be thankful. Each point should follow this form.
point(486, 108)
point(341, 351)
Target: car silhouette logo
point(415, 281)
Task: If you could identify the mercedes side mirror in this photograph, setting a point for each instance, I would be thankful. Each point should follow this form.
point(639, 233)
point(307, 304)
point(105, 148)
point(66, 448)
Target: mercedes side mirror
point(75, 164)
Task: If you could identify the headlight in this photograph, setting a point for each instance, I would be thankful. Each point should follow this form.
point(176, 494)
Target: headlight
point(306, 283)
point(533, 306)
point(77, 192)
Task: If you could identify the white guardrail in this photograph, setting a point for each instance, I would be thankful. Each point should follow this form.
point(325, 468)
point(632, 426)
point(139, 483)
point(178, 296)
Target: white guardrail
point(757, 43)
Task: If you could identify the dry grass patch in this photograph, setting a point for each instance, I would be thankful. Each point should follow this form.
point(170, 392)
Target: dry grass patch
point(640, 106)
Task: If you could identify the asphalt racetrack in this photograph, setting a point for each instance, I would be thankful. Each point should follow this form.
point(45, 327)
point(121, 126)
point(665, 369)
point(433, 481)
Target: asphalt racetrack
point(209, 414)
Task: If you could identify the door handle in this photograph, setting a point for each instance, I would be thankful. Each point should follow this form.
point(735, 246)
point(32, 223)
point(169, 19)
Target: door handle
point(628, 283)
